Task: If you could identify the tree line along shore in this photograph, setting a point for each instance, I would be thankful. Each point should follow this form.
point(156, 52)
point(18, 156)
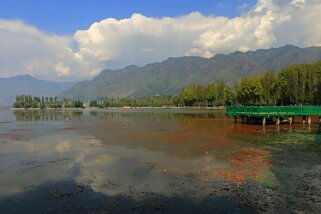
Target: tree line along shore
point(28, 101)
point(298, 84)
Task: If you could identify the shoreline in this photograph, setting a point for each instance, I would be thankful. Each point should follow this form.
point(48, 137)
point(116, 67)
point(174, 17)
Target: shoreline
point(123, 108)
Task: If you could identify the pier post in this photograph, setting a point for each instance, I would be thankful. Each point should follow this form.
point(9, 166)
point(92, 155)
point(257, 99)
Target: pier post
point(264, 121)
point(277, 121)
point(309, 129)
point(309, 120)
point(243, 119)
point(235, 119)
point(303, 119)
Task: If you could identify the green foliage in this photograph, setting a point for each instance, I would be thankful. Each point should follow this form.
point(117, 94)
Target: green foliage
point(27, 101)
point(67, 103)
point(268, 179)
point(194, 95)
point(174, 74)
point(300, 84)
point(218, 94)
point(230, 98)
point(294, 85)
point(211, 94)
point(93, 103)
point(152, 101)
point(270, 88)
point(189, 96)
point(221, 94)
point(249, 91)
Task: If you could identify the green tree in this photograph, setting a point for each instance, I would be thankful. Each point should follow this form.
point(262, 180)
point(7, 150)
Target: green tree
point(270, 88)
point(230, 97)
point(220, 94)
point(211, 94)
point(189, 96)
point(249, 91)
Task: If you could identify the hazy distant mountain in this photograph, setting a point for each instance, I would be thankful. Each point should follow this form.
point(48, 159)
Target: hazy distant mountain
point(26, 84)
point(171, 75)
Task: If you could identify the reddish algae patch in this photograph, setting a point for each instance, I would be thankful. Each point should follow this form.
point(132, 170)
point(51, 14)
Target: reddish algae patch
point(73, 128)
point(247, 164)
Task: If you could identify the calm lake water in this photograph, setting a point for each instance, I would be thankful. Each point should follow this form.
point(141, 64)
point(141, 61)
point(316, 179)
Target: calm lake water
point(155, 161)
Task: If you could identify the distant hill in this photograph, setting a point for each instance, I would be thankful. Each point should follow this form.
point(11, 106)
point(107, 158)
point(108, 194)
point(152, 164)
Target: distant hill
point(26, 84)
point(171, 75)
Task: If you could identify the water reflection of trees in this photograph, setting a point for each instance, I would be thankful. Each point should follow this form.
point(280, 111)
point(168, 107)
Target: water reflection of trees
point(45, 115)
point(180, 133)
point(158, 115)
point(276, 134)
point(54, 115)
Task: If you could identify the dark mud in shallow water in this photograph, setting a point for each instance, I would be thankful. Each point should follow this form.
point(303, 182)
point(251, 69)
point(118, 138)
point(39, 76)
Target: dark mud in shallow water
point(155, 161)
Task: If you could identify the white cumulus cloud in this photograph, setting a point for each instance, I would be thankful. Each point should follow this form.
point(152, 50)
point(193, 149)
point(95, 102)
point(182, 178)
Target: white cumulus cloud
point(269, 24)
point(26, 49)
point(62, 70)
point(297, 2)
point(140, 39)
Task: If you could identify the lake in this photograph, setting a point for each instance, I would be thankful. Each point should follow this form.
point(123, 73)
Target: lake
point(155, 161)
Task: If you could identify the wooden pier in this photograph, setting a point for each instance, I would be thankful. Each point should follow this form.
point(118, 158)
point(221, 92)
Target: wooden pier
point(275, 114)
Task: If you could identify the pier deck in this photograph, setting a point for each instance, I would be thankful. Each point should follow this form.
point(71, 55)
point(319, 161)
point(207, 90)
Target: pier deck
point(275, 112)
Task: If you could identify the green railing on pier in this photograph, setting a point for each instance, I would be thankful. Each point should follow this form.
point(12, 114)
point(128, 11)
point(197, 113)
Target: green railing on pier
point(273, 111)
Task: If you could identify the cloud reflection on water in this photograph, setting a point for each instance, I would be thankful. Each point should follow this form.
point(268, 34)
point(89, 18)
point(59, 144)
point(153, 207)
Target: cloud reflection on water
point(109, 169)
point(119, 152)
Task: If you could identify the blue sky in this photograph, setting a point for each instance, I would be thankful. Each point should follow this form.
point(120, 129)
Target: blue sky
point(67, 16)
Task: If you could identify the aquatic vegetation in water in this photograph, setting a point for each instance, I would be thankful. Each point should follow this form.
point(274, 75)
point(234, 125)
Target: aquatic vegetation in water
point(246, 165)
point(267, 179)
point(292, 138)
point(277, 138)
point(143, 154)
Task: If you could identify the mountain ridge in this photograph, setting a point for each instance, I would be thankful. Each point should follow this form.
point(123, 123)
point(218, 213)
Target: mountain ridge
point(27, 84)
point(175, 73)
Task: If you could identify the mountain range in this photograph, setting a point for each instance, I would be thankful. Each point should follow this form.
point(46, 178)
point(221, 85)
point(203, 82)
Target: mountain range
point(166, 77)
point(173, 74)
point(26, 84)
